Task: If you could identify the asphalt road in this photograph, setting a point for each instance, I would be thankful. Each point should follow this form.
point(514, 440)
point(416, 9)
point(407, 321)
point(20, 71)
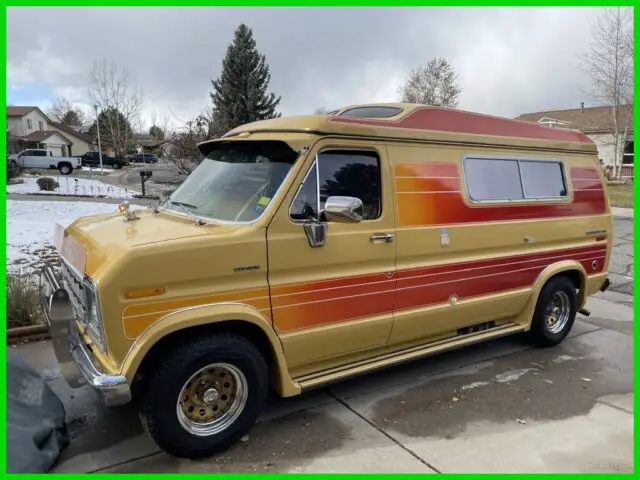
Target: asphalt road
point(498, 407)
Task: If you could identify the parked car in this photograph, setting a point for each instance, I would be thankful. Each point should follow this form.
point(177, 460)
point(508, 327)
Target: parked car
point(306, 250)
point(92, 159)
point(144, 158)
point(35, 158)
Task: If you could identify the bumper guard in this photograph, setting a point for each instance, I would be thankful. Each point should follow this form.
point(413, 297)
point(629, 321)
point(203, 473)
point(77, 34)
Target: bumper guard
point(75, 359)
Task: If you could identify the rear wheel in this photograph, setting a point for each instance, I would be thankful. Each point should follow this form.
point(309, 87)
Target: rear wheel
point(205, 395)
point(555, 312)
point(116, 166)
point(65, 168)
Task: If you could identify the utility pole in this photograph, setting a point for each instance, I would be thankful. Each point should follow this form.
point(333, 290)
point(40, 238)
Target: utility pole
point(95, 107)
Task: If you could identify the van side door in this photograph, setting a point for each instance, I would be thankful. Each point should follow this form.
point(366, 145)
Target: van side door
point(332, 294)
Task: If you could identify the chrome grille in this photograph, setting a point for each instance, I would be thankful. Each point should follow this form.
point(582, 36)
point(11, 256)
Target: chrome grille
point(77, 294)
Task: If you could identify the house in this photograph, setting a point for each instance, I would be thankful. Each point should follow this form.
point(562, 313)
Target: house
point(148, 144)
point(30, 127)
point(597, 123)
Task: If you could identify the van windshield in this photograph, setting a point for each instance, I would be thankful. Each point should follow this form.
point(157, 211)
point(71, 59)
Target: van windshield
point(235, 182)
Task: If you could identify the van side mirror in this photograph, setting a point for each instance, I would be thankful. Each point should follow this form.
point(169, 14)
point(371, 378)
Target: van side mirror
point(343, 209)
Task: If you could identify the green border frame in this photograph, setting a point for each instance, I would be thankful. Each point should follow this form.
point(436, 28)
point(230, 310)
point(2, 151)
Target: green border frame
point(255, 3)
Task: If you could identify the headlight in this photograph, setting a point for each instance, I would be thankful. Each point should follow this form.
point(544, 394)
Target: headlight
point(94, 318)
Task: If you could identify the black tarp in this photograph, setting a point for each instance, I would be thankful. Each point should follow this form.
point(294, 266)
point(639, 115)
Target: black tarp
point(36, 428)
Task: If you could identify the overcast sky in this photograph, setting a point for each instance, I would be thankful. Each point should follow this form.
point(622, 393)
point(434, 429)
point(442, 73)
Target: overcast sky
point(509, 60)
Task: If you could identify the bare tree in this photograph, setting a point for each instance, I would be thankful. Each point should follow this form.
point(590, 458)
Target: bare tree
point(432, 84)
point(63, 111)
point(181, 147)
point(121, 104)
point(609, 64)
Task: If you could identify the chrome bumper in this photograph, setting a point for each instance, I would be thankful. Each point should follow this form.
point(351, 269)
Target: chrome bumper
point(74, 357)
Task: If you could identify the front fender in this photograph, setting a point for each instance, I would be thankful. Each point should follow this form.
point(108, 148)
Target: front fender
point(204, 315)
point(526, 316)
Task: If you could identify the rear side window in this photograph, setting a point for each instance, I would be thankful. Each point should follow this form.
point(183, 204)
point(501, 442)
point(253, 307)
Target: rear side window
point(512, 179)
point(542, 179)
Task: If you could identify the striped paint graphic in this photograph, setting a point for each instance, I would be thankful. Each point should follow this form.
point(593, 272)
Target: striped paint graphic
point(430, 194)
point(306, 305)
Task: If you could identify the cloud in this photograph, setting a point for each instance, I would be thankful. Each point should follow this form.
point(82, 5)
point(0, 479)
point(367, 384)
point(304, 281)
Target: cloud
point(509, 60)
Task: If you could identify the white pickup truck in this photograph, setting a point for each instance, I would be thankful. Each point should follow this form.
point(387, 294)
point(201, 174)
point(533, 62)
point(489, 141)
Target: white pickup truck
point(43, 159)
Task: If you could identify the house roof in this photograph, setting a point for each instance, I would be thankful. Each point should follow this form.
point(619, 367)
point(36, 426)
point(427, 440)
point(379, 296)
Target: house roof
point(148, 140)
point(588, 120)
point(73, 132)
point(42, 135)
point(14, 111)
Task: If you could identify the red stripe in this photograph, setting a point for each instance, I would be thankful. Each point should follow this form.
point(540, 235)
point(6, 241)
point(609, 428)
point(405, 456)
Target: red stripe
point(556, 255)
point(585, 173)
point(457, 121)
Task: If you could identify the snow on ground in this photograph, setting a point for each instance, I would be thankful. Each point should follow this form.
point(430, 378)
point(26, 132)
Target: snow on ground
point(30, 227)
point(68, 185)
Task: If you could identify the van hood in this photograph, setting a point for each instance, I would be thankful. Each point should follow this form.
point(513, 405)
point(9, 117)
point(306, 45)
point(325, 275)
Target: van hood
point(90, 241)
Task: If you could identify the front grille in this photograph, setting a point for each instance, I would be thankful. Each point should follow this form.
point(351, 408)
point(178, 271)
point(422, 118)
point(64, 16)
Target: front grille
point(77, 294)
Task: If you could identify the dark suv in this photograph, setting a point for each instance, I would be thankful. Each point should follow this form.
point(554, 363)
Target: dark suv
point(144, 158)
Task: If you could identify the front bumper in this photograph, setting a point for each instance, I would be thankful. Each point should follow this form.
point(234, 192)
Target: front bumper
point(74, 357)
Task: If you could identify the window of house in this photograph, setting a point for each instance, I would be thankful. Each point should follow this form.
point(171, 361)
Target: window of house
point(40, 126)
point(627, 157)
point(340, 173)
point(29, 124)
point(497, 179)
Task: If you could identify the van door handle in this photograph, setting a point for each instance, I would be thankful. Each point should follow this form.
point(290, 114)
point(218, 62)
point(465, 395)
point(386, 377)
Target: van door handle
point(385, 237)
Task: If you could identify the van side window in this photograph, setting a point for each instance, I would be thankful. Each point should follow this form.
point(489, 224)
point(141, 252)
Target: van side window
point(491, 179)
point(542, 179)
point(341, 173)
point(305, 203)
point(506, 179)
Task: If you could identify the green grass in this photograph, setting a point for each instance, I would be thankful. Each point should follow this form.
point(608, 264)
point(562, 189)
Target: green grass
point(621, 194)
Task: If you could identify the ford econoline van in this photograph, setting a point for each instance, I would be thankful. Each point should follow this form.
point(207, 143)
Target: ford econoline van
point(304, 251)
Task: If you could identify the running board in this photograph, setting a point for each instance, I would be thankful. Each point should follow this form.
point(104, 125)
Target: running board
point(344, 372)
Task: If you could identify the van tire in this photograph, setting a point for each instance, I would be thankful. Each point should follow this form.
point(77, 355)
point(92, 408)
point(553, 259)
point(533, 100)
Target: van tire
point(555, 312)
point(116, 166)
point(65, 168)
point(163, 396)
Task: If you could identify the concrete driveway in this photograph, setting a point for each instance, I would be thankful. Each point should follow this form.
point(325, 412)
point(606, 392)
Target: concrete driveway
point(496, 407)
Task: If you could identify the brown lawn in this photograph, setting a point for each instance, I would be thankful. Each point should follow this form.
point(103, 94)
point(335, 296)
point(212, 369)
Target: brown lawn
point(621, 195)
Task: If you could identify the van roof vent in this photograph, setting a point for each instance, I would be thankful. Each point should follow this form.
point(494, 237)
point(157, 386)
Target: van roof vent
point(553, 122)
point(372, 112)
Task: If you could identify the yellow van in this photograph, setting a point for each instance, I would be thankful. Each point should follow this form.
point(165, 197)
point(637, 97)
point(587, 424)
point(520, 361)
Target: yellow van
point(306, 250)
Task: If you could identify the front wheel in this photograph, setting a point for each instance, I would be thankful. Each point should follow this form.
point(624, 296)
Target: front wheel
point(116, 166)
point(205, 395)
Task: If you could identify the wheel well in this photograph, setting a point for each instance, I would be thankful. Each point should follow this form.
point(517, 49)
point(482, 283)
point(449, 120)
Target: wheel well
point(574, 275)
point(251, 332)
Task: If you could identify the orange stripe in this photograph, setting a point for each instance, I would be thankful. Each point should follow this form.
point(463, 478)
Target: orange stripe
point(182, 302)
point(426, 169)
point(419, 184)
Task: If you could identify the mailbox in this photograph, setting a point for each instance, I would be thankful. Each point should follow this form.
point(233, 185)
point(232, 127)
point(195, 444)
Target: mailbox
point(146, 173)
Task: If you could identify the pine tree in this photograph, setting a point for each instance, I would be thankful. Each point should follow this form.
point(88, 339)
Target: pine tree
point(239, 94)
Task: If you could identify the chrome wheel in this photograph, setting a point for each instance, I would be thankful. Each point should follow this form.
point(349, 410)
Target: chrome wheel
point(212, 399)
point(558, 312)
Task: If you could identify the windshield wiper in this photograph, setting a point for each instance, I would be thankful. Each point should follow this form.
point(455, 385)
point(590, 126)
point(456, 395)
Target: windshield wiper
point(183, 204)
point(197, 220)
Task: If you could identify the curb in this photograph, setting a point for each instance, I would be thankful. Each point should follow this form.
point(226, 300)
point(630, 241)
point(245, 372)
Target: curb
point(27, 334)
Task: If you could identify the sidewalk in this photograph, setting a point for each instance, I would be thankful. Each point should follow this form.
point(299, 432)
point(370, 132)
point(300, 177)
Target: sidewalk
point(622, 212)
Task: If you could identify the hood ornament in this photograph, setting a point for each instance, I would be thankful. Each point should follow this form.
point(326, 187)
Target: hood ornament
point(126, 213)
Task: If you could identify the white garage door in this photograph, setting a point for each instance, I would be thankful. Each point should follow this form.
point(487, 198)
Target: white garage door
point(56, 150)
